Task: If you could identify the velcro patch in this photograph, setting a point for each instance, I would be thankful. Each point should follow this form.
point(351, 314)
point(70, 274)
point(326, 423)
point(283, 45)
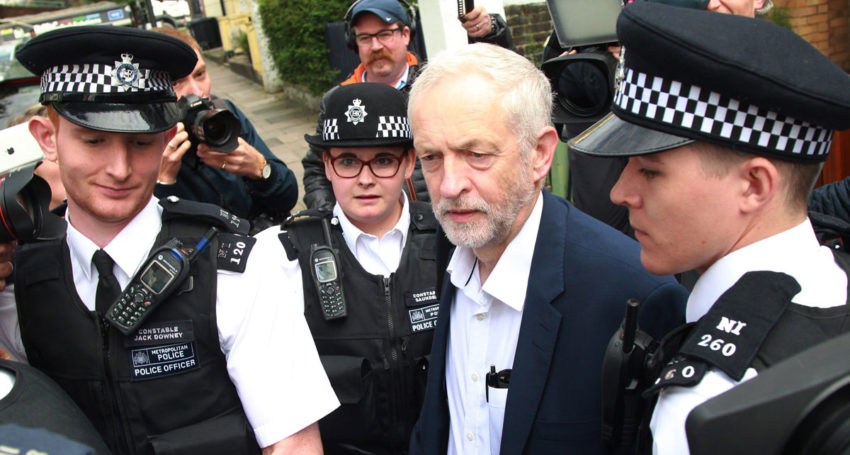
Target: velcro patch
point(680, 371)
point(160, 361)
point(156, 333)
point(423, 318)
point(421, 297)
point(233, 251)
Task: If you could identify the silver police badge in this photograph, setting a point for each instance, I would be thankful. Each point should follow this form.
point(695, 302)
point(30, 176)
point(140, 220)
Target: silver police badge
point(126, 73)
point(356, 113)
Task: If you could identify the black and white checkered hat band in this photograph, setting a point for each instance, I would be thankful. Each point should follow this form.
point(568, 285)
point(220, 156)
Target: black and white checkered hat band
point(98, 79)
point(330, 130)
point(706, 114)
point(393, 126)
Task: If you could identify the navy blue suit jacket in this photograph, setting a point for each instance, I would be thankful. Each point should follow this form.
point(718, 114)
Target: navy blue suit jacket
point(582, 273)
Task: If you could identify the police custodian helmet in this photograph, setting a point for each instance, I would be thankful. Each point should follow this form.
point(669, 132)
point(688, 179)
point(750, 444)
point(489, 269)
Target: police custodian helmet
point(738, 82)
point(110, 78)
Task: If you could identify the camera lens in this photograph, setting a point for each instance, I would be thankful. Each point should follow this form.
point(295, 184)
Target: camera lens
point(583, 89)
point(216, 130)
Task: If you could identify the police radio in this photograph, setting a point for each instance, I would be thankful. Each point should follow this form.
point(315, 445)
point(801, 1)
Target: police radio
point(625, 374)
point(163, 272)
point(326, 275)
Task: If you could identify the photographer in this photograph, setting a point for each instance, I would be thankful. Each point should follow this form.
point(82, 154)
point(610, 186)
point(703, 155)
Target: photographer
point(249, 181)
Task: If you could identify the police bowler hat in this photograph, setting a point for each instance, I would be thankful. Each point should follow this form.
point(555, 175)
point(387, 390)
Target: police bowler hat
point(743, 83)
point(365, 114)
point(110, 78)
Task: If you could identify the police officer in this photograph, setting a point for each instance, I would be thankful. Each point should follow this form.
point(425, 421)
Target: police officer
point(373, 327)
point(200, 364)
point(725, 137)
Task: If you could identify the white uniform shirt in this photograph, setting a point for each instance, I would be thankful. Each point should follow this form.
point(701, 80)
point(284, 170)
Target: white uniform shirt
point(376, 256)
point(795, 252)
point(484, 330)
point(271, 358)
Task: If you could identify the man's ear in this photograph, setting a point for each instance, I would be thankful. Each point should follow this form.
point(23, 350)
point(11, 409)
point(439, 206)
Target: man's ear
point(758, 4)
point(761, 185)
point(543, 153)
point(44, 132)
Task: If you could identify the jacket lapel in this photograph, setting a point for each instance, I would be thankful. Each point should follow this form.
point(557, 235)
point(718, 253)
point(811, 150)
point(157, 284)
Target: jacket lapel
point(538, 332)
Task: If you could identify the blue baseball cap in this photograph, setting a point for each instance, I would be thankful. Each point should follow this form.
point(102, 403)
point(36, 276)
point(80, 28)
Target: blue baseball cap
point(390, 11)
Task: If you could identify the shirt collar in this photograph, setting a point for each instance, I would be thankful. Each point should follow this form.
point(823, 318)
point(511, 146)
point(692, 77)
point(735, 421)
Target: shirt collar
point(351, 233)
point(123, 249)
point(508, 282)
point(795, 251)
point(401, 82)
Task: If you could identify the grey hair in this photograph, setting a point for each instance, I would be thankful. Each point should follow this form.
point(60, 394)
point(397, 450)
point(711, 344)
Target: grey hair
point(525, 90)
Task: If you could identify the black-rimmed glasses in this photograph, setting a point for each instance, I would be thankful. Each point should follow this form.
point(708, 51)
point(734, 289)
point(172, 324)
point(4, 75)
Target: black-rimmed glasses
point(384, 36)
point(383, 166)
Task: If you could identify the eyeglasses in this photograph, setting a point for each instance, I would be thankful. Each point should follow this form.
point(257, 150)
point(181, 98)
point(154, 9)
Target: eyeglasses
point(384, 36)
point(383, 166)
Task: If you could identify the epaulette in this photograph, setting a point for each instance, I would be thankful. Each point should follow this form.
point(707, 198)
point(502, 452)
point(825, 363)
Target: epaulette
point(730, 335)
point(174, 207)
point(297, 220)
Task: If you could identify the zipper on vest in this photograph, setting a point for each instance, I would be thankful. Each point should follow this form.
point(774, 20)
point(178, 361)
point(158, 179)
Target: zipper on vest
point(110, 397)
point(388, 298)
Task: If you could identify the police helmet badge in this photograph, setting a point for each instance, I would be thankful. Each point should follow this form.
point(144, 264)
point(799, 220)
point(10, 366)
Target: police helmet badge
point(126, 73)
point(356, 113)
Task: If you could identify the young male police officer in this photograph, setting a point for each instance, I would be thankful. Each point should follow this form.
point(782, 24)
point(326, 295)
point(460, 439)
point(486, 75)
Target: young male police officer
point(374, 345)
point(725, 132)
point(221, 348)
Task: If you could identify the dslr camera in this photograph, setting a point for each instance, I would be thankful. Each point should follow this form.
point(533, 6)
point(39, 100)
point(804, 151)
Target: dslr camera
point(209, 121)
point(24, 197)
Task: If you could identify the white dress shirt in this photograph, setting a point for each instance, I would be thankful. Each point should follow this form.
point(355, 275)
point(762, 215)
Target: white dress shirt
point(376, 256)
point(795, 252)
point(271, 358)
point(484, 330)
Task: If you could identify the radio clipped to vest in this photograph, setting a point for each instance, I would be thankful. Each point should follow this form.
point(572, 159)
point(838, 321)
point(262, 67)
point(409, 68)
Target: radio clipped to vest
point(162, 273)
point(324, 263)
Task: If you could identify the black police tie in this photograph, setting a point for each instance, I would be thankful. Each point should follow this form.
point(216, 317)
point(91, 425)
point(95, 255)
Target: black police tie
point(107, 286)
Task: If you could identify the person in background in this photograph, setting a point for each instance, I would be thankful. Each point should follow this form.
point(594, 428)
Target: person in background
point(249, 181)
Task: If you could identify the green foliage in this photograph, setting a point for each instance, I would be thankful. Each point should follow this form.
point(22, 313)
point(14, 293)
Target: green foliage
point(296, 33)
point(242, 41)
point(781, 15)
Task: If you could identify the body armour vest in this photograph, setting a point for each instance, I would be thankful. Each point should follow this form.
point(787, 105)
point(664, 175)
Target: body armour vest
point(753, 324)
point(376, 356)
point(162, 390)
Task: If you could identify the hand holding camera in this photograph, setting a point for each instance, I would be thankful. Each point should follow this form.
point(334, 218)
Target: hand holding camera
point(209, 133)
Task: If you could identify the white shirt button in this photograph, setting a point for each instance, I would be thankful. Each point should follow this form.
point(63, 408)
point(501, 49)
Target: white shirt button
point(480, 316)
point(470, 436)
point(474, 377)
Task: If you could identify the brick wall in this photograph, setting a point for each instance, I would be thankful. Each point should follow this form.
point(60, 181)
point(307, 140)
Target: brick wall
point(823, 23)
point(530, 26)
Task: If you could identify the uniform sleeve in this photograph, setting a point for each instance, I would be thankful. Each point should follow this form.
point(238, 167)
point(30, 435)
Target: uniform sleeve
point(271, 357)
point(277, 195)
